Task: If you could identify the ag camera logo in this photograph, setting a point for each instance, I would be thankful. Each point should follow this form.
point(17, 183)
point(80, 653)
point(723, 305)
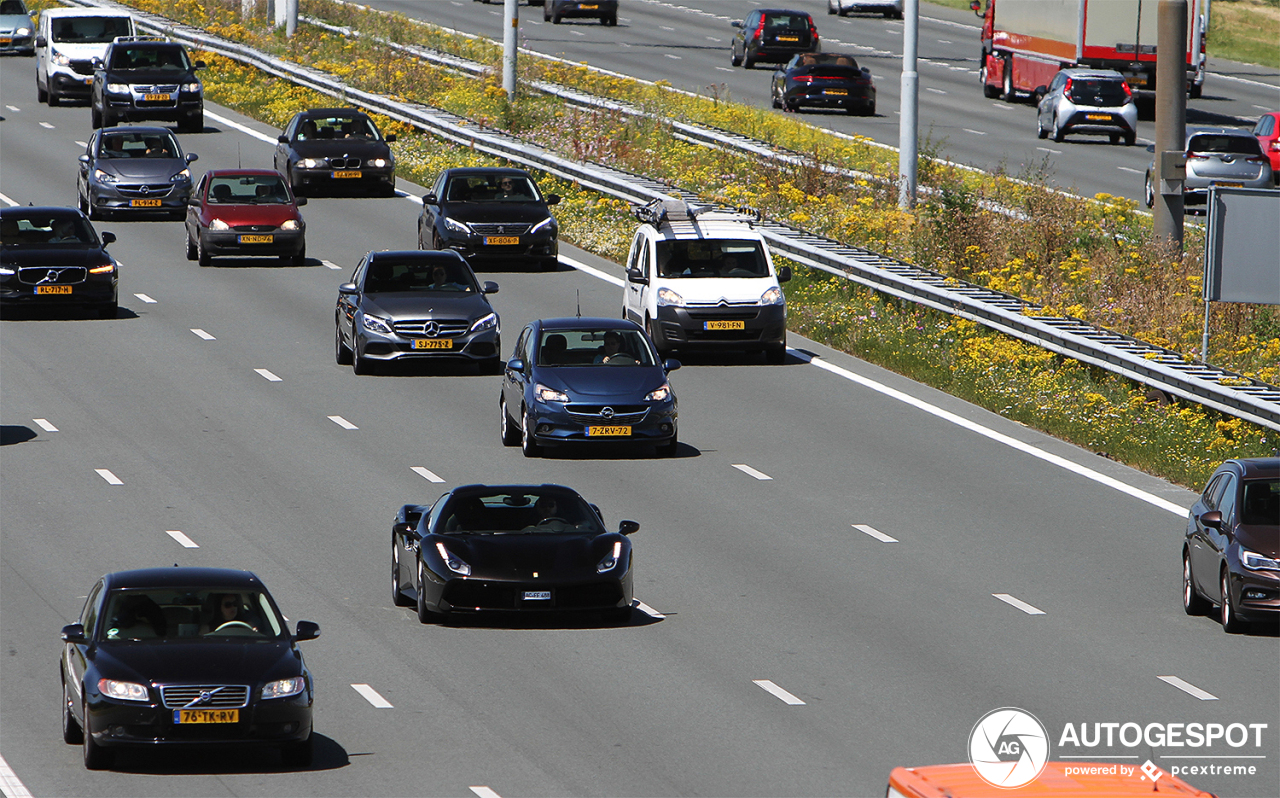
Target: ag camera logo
point(1008, 747)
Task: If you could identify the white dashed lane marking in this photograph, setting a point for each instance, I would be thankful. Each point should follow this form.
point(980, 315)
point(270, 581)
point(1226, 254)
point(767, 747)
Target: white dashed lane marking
point(268, 376)
point(647, 610)
point(187, 543)
point(45, 425)
point(372, 696)
point(1128, 169)
point(1019, 603)
point(426, 474)
point(328, 264)
point(935, 91)
point(777, 692)
point(1188, 688)
point(342, 422)
point(974, 132)
point(111, 478)
point(202, 334)
point(46, 126)
point(484, 792)
point(746, 469)
point(875, 533)
point(146, 299)
point(16, 109)
point(1046, 149)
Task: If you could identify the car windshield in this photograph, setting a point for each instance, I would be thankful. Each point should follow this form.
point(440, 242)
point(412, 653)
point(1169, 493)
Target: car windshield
point(52, 229)
point(248, 190)
point(491, 188)
point(1235, 145)
point(176, 613)
point(722, 257)
point(9, 7)
point(169, 59)
point(810, 60)
point(541, 510)
point(1261, 505)
point(799, 22)
point(605, 348)
point(315, 128)
point(139, 145)
point(89, 30)
point(446, 276)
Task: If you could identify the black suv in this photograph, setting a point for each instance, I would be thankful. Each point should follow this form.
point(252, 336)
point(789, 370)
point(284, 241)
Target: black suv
point(146, 77)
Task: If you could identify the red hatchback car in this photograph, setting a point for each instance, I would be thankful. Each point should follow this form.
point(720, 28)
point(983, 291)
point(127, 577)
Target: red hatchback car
point(1268, 132)
point(244, 212)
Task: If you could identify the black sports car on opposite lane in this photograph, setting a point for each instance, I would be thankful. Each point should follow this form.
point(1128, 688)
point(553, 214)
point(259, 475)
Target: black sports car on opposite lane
point(512, 549)
point(336, 149)
point(490, 215)
point(824, 80)
point(184, 656)
point(52, 257)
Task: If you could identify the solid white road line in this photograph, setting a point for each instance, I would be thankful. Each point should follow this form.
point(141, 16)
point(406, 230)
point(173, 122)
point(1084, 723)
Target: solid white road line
point(6, 200)
point(146, 299)
point(268, 376)
point(484, 792)
point(647, 610)
point(1048, 150)
point(342, 422)
point(45, 425)
point(111, 478)
point(746, 469)
point(1133, 171)
point(187, 543)
point(935, 91)
point(206, 336)
point(875, 533)
point(372, 696)
point(776, 691)
point(594, 272)
point(10, 784)
point(1188, 688)
point(246, 130)
point(1019, 603)
point(426, 474)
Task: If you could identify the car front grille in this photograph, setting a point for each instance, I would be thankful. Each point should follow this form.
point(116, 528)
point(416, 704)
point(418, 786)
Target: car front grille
point(726, 314)
point(82, 68)
point(593, 414)
point(254, 228)
point(471, 594)
point(444, 328)
point(505, 229)
point(43, 275)
point(221, 696)
point(156, 89)
point(344, 163)
point(144, 190)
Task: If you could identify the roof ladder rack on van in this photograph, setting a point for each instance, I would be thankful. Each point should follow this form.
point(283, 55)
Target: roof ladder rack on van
point(120, 39)
point(670, 211)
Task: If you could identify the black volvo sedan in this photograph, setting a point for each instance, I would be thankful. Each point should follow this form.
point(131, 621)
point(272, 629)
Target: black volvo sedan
point(54, 257)
point(510, 548)
point(184, 656)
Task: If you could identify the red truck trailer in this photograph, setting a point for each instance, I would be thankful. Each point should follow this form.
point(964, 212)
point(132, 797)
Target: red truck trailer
point(1026, 42)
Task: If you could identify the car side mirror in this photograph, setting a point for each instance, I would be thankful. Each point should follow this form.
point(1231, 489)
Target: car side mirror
point(96, 62)
point(1151, 148)
point(1041, 91)
point(307, 630)
point(42, 41)
point(348, 288)
point(108, 238)
point(515, 364)
point(784, 274)
point(390, 138)
point(489, 287)
point(670, 364)
point(628, 527)
point(637, 276)
point(73, 633)
point(552, 199)
point(300, 201)
point(193, 202)
point(737, 23)
point(191, 156)
point(200, 65)
point(402, 528)
point(976, 7)
point(430, 199)
point(1212, 519)
point(84, 159)
point(282, 138)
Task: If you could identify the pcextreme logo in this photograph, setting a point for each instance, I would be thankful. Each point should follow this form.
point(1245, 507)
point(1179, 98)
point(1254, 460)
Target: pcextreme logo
point(1008, 747)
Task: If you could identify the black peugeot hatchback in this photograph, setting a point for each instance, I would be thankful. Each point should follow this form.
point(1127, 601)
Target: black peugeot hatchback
point(184, 656)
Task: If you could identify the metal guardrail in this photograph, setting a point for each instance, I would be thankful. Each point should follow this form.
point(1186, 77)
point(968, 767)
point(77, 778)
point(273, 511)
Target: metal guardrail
point(1157, 367)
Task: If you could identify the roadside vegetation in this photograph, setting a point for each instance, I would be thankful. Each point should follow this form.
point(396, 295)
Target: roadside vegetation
point(1090, 259)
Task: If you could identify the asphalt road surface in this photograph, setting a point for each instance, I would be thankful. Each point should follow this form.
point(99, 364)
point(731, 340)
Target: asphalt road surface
point(785, 646)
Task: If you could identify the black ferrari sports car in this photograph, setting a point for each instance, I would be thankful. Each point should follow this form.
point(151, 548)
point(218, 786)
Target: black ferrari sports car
point(824, 80)
point(510, 548)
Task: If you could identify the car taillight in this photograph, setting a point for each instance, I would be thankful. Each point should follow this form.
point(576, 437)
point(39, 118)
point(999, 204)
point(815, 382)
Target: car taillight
point(1257, 159)
point(1067, 88)
point(1275, 145)
point(759, 29)
point(1197, 156)
point(804, 78)
point(813, 30)
point(1128, 92)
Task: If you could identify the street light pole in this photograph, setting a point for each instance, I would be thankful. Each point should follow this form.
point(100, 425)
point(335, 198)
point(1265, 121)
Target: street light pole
point(510, 27)
point(908, 135)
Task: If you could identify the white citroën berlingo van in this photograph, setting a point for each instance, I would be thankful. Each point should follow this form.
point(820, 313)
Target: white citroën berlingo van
point(67, 41)
point(702, 278)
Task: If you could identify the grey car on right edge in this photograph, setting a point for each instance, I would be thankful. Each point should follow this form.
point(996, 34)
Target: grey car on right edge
point(1219, 156)
point(1089, 101)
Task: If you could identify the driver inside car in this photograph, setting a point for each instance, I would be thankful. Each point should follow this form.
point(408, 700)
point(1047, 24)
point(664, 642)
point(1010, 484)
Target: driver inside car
point(550, 517)
point(227, 609)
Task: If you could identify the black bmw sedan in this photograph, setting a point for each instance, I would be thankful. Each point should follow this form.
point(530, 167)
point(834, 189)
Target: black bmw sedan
point(184, 656)
point(416, 305)
point(824, 80)
point(490, 215)
point(52, 257)
point(510, 548)
point(336, 149)
point(583, 381)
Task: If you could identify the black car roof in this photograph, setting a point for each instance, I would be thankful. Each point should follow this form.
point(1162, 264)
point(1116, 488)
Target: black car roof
point(156, 129)
point(1253, 467)
point(464, 171)
point(319, 112)
point(183, 577)
point(149, 45)
point(21, 211)
point(579, 322)
point(426, 255)
point(471, 490)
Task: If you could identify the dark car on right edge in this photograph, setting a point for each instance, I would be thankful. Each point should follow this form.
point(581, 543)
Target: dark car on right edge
point(1231, 554)
point(772, 34)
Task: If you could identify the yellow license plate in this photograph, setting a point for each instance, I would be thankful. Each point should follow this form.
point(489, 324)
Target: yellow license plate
point(1228, 185)
point(345, 173)
point(588, 8)
point(206, 716)
point(1136, 81)
point(724, 325)
point(837, 92)
point(157, 98)
point(5, 40)
point(257, 239)
point(788, 38)
point(609, 432)
point(501, 240)
point(53, 289)
point(432, 343)
point(1098, 117)
point(148, 203)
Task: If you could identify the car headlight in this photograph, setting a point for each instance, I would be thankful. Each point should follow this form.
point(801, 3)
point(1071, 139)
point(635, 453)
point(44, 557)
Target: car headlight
point(377, 324)
point(544, 223)
point(659, 395)
point(118, 88)
point(283, 688)
point(105, 268)
point(103, 177)
point(452, 561)
point(668, 297)
point(181, 177)
point(125, 691)
point(190, 87)
point(218, 224)
point(611, 559)
point(60, 59)
point(772, 297)
point(5, 270)
point(456, 226)
point(310, 163)
point(486, 322)
point(290, 224)
point(1257, 562)
point(22, 32)
point(378, 163)
point(544, 394)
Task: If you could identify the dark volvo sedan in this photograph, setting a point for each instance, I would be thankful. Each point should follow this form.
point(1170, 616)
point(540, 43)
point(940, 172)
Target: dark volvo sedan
point(490, 215)
point(585, 381)
point(510, 548)
point(184, 656)
point(52, 257)
point(415, 305)
point(336, 149)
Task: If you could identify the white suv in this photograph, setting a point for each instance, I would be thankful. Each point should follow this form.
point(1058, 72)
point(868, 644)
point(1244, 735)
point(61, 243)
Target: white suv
point(67, 41)
point(699, 278)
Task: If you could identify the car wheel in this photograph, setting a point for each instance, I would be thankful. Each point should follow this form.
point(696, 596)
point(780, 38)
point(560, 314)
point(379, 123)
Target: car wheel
point(1056, 133)
point(1130, 139)
point(95, 756)
point(299, 755)
point(341, 352)
point(651, 331)
point(510, 434)
point(747, 61)
point(668, 449)
point(546, 11)
point(1195, 92)
point(611, 20)
point(776, 357)
point(397, 596)
point(1150, 192)
point(202, 254)
point(193, 124)
point(109, 311)
point(359, 363)
point(777, 101)
point(83, 204)
point(55, 99)
point(1231, 623)
point(492, 366)
point(425, 615)
point(1041, 133)
point(108, 119)
point(300, 259)
point(192, 253)
point(42, 95)
point(95, 116)
point(527, 444)
point(555, 17)
point(734, 58)
point(1192, 602)
point(72, 734)
point(1007, 93)
point(1115, 138)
